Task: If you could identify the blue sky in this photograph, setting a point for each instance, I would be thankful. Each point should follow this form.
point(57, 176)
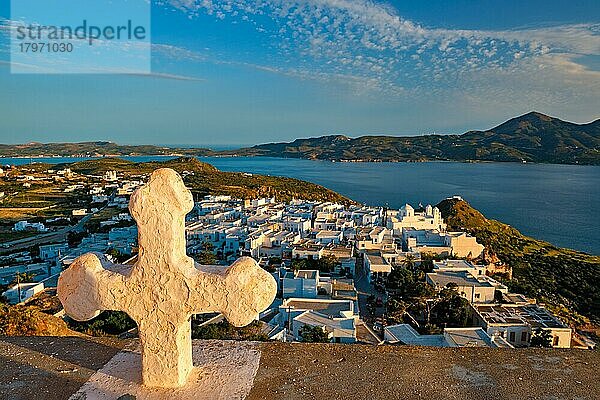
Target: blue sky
point(244, 72)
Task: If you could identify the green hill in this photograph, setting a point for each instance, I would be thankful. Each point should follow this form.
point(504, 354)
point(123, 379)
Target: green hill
point(532, 137)
point(567, 280)
point(204, 179)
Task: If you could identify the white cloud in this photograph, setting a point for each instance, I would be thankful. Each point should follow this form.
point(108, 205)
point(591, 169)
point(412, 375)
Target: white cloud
point(330, 35)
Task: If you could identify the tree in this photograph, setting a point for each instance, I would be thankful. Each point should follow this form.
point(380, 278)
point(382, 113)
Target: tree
point(327, 263)
point(74, 238)
point(107, 323)
point(324, 264)
point(23, 277)
point(300, 263)
point(399, 280)
point(541, 338)
point(223, 330)
point(117, 255)
point(395, 310)
point(408, 284)
point(409, 262)
point(314, 334)
point(451, 310)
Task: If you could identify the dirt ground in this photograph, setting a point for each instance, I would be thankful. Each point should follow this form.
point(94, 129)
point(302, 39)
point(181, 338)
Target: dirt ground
point(52, 368)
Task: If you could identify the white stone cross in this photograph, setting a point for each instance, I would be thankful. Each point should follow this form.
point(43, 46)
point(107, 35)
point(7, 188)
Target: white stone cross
point(164, 287)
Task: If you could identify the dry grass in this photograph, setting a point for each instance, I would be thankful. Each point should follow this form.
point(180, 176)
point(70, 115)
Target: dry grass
point(19, 213)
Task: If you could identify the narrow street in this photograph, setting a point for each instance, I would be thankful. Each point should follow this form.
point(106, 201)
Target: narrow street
point(46, 238)
point(365, 289)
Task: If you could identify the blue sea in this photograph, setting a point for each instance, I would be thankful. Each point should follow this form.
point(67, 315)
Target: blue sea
point(556, 203)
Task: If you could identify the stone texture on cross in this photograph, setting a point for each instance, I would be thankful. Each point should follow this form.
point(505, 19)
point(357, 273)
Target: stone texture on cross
point(164, 287)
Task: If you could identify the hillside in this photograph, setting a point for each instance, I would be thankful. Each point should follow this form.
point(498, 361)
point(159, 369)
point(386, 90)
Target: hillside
point(92, 149)
point(203, 179)
point(30, 321)
point(565, 279)
point(532, 137)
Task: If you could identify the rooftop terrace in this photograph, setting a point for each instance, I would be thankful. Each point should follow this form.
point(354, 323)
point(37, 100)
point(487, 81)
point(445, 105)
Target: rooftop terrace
point(326, 307)
point(532, 314)
point(442, 279)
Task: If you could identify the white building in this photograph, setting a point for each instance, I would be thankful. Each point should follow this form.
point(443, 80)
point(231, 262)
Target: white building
point(456, 244)
point(25, 290)
point(110, 176)
point(335, 317)
point(308, 249)
point(51, 252)
point(22, 226)
point(406, 217)
point(374, 238)
point(100, 198)
point(463, 245)
point(448, 265)
point(327, 237)
point(300, 284)
point(377, 267)
point(297, 224)
point(475, 288)
point(517, 323)
point(451, 337)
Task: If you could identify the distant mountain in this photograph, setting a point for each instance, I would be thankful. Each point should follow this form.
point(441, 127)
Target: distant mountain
point(532, 137)
point(92, 149)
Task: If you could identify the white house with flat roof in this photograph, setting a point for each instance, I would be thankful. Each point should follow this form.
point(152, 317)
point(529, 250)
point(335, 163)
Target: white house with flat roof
point(25, 290)
point(376, 266)
point(22, 226)
point(307, 248)
point(452, 244)
point(336, 317)
point(475, 288)
point(373, 238)
point(518, 322)
point(51, 252)
point(297, 224)
point(451, 337)
point(326, 237)
point(459, 266)
point(463, 244)
point(300, 284)
point(425, 241)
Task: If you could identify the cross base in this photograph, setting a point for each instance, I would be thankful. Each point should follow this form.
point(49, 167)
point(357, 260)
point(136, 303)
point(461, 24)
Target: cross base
point(227, 372)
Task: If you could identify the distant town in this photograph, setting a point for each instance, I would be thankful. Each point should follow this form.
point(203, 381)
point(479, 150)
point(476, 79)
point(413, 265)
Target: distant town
point(346, 273)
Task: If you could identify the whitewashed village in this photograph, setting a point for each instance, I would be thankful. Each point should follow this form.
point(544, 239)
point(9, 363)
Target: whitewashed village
point(345, 273)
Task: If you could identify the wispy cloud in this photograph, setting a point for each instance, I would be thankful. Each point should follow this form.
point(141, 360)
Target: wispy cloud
point(371, 41)
point(160, 75)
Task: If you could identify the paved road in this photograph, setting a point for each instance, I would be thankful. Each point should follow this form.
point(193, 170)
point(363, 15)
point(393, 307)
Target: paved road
point(47, 238)
point(365, 289)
